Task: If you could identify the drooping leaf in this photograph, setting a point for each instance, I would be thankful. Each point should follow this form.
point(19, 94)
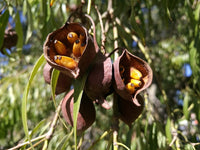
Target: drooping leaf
point(19, 31)
point(3, 23)
point(38, 64)
point(78, 91)
point(135, 25)
point(30, 22)
point(168, 130)
point(54, 79)
point(38, 127)
point(185, 105)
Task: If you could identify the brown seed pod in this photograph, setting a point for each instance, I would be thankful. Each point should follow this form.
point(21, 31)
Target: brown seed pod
point(63, 82)
point(86, 115)
point(99, 80)
point(129, 112)
point(61, 35)
point(10, 39)
point(128, 60)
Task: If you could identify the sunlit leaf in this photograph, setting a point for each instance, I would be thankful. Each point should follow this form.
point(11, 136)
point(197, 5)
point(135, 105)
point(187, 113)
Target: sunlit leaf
point(168, 130)
point(37, 128)
point(38, 64)
point(52, 2)
point(78, 91)
point(30, 22)
point(185, 105)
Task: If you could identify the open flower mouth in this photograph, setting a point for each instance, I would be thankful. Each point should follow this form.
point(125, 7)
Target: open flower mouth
point(132, 75)
point(68, 49)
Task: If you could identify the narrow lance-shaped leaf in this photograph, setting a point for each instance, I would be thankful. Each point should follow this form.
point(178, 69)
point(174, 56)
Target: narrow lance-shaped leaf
point(19, 31)
point(185, 105)
point(168, 130)
point(3, 22)
point(38, 64)
point(134, 23)
point(54, 79)
point(30, 22)
point(78, 91)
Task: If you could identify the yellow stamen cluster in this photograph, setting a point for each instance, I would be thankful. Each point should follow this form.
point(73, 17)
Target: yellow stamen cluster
point(67, 54)
point(134, 78)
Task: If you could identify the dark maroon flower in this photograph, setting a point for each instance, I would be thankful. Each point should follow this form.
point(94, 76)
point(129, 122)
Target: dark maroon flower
point(129, 111)
point(10, 39)
point(70, 49)
point(63, 82)
point(123, 77)
point(99, 80)
point(86, 115)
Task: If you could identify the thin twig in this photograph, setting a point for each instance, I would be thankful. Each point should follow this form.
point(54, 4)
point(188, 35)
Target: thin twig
point(44, 137)
point(113, 51)
point(103, 36)
point(28, 142)
point(121, 144)
point(99, 139)
point(53, 124)
point(115, 145)
point(42, 140)
point(115, 119)
point(115, 31)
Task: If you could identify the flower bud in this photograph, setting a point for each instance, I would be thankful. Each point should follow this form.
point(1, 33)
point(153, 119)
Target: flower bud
point(99, 80)
point(63, 82)
point(82, 55)
point(86, 114)
point(129, 111)
point(132, 75)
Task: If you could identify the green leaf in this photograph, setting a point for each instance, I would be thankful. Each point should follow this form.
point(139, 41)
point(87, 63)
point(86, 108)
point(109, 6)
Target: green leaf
point(30, 22)
point(3, 23)
point(54, 79)
point(153, 136)
point(197, 12)
point(129, 137)
point(134, 24)
point(185, 105)
point(19, 31)
point(168, 130)
point(78, 91)
point(52, 2)
point(37, 127)
point(38, 64)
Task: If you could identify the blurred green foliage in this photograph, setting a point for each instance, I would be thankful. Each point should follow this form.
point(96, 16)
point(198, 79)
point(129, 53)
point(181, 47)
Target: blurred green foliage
point(170, 32)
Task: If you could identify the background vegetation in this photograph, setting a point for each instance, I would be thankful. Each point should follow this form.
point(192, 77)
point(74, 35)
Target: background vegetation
point(164, 33)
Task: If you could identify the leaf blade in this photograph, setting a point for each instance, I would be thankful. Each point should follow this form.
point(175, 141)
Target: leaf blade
point(78, 92)
point(3, 23)
point(39, 62)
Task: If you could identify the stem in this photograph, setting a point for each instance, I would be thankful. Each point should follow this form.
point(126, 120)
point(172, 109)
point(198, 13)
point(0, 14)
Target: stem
point(115, 121)
point(53, 124)
point(99, 139)
point(89, 7)
point(44, 137)
point(28, 142)
point(103, 36)
point(115, 145)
